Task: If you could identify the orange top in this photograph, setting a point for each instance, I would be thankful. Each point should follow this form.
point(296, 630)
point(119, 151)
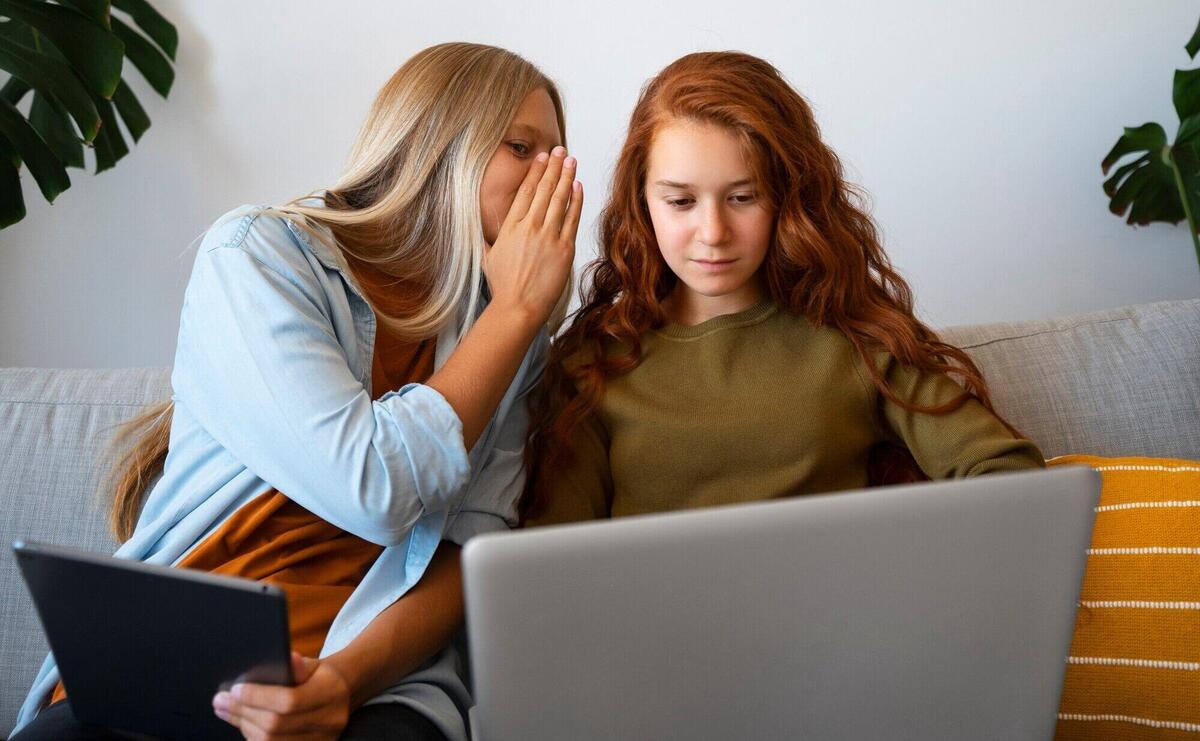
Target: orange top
point(274, 540)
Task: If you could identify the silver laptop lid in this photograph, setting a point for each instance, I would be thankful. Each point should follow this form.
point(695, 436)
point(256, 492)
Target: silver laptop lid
point(931, 611)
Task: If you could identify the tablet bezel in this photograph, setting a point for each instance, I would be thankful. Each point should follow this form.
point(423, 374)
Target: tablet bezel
point(143, 648)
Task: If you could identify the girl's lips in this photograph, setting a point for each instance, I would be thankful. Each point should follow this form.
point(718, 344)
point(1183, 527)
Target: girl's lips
point(714, 266)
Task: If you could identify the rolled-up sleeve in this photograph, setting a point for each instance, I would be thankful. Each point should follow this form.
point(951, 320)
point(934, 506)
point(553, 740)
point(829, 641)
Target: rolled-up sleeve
point(260, 367)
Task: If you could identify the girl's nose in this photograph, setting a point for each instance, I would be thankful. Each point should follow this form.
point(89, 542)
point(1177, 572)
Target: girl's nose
point(713, 228)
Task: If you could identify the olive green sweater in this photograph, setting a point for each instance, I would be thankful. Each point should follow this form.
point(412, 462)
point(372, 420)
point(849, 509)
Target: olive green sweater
point(761, 405)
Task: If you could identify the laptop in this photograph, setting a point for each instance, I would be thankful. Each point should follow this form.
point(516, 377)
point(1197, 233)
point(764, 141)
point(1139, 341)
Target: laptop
point(144, 648)
point(928, 611)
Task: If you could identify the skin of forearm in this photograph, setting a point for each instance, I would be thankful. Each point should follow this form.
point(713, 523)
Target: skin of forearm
point(474, 378)
point(407, 633)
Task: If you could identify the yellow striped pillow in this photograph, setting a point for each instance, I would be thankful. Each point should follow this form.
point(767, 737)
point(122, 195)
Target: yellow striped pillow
point(1134, 668)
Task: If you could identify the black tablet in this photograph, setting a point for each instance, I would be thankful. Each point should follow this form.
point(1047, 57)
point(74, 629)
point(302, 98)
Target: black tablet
point(144, 648)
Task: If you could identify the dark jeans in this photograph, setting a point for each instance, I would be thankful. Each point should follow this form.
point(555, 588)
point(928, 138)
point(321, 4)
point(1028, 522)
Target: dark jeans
point(389, 721)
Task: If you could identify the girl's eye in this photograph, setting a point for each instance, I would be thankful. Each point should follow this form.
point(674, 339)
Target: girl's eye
point(679, 202)
point(742, 198)
point(519, 148)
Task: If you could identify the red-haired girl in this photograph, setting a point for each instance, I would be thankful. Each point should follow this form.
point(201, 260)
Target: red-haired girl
point(744, 336)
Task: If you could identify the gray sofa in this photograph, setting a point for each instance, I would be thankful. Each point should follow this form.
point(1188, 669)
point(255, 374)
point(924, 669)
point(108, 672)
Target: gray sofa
point(1118, 382)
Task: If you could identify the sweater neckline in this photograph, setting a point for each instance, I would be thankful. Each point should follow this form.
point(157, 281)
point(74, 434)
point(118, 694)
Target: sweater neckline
point(745, 318)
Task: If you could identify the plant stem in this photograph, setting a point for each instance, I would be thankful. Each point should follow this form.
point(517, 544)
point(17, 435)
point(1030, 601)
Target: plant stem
point(1187, 207)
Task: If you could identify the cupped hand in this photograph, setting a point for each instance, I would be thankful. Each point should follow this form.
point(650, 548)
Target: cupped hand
point(530, 262)
point(316, 707)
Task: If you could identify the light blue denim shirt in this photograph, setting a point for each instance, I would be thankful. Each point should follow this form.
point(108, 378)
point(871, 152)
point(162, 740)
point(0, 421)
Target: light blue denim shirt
point(271, 386)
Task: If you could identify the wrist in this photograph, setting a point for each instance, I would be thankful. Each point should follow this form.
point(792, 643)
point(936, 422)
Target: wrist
point(350, 675)
point(511, 313)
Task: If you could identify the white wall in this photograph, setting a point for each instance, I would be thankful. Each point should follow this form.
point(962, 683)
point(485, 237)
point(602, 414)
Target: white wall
point(978, 129)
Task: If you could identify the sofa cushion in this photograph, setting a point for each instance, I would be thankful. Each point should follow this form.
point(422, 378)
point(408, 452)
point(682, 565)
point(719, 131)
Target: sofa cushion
point(54, 428)
point(1134, 665)
point(1113, 383)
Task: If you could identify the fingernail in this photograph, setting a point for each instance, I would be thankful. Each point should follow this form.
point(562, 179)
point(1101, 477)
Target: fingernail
point(222, 715)
point(222, 701)
point(542, 157)
point(569, 162)
point(236, 691)
point(559, 151)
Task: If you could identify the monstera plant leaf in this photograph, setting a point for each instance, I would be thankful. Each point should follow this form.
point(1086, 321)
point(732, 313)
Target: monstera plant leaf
point(1162, 182)
point(69, 56)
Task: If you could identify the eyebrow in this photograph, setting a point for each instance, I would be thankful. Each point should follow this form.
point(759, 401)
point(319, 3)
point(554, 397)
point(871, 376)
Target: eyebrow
point(686, 186)
point(533, 132)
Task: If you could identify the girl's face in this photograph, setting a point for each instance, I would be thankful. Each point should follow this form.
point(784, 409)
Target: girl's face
point(712, 225)
point(533, 130)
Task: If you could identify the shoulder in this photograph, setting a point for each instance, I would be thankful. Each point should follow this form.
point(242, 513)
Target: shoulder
point(249, 227)
point(265, 235)
point(590, 351)
point(830, 351)
point(811, 343)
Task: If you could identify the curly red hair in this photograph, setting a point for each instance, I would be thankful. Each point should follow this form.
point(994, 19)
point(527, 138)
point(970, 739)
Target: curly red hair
point(825, 261)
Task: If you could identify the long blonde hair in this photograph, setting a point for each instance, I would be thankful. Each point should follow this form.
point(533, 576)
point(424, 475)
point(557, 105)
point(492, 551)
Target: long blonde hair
point(407, 205)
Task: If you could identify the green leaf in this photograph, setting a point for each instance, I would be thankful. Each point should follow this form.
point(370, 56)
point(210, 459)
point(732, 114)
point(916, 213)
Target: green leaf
point(159, 29)
point(1149, 137)
point(149, 61)
point(1189, 129)
point(14, 90)
point(8, 154)
point(1193, 45)
point(1157, 201)
point(110, 145)
point(1124, 194)
point(1149, 194)
point(97, 10)
point(55, 129)
point(1110, 185)
point(55, 80)
point(1187, 160)
point(94, 52)
point(49, 173)
point(131, 111)
point(52, 122)
point(12, 204)
point(17, 31)
point(1186, 92)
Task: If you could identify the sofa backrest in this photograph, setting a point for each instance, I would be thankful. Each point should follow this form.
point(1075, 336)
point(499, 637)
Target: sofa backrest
point(1119, 382)
point(1112, 383)
point(54, 427)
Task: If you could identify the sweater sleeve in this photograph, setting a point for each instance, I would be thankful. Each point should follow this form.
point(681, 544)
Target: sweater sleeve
point(969, 441)
point(581, 488)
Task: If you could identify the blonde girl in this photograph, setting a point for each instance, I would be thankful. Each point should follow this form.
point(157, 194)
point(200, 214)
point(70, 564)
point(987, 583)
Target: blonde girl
point(348, 398)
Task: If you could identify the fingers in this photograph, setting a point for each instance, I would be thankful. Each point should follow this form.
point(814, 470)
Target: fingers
point(272, 698)
point(256, 723)
point(277, 715)
point(318, 703)
point(570, 226)
point(557, 210)
point(546, 187)
point(525, 193)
